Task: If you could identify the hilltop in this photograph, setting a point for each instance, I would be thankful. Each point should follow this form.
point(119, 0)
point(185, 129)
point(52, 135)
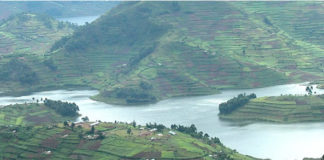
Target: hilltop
point(27, 33)
point(142, 52)
point(36, 131)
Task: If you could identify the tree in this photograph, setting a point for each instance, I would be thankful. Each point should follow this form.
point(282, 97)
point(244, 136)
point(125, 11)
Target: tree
point(235, 103)
point(101, 135)
point(72, 126)
point(92, 131)
point(80, 135)
point(134, 124)
point(206, 136)
point(66, 124)
point(63, 108)
point(309, 89)
point(85, 119)
point(129, 131)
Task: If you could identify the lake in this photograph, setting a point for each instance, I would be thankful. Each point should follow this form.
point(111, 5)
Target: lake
point(79, 20)
point(275, 141)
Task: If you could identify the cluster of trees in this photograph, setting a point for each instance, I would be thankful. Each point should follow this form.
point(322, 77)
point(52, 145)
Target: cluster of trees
point(235, 103)
point(192, 130)
point(18, 70)
point(136, 95)
point(159, 127)
point(63, 108)
point(309, 90)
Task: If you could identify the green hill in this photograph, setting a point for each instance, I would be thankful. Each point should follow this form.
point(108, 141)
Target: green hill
point(142, 52)
point(280, 109)
point(30, 34)
point(35, 131)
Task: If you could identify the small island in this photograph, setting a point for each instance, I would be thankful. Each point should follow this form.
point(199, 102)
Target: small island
point(279, 109)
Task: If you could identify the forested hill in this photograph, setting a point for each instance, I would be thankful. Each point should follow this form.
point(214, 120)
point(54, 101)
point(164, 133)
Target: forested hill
point(142, 52)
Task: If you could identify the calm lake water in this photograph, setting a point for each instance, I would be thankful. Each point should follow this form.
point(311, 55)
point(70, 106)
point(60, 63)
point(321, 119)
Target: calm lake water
point(79, 20)
point(278, 142)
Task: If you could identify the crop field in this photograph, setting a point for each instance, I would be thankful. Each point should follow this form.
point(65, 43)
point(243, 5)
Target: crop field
point(33, 131)
point(281, 109)
point(180, 49)
point(29, 114)
point(30, 34)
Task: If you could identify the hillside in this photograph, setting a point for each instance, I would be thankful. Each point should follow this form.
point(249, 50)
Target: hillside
point(142, 52)
point(35, 131)
point(281, 109)
point(30, 34)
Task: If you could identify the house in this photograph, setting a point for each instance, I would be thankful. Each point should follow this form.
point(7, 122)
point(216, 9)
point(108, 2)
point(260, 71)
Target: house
point(94, 124)
point(145, 133)
point(153, 138)
point(160, 134)
point(91, 137)
point(172, 133)
point(153, 130)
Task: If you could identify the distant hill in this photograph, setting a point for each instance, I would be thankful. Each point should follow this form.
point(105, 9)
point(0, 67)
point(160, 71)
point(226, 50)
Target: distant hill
point(142, 52)
point(27, 33)
point(56, 9)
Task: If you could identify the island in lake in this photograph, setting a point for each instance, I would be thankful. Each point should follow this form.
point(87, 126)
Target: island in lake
point(277, 109)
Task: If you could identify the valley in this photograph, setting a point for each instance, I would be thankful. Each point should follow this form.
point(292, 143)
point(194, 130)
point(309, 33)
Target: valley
point(183, 56)
point(233, 80)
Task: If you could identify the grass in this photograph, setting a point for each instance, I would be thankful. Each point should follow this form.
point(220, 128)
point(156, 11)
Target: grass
point(280, 109)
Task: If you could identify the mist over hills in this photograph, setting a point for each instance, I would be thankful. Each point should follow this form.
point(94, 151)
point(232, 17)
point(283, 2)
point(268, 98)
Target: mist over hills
point(56, 8)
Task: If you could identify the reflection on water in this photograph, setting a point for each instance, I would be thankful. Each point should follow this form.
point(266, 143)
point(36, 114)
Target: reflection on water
point(293, 141)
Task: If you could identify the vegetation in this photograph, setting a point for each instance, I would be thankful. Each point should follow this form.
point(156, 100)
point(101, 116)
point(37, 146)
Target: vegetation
point(184, 49)
point(18, 71)
point(35, 131)
point(63, 108)
point(137, 95)
point(27, 33)
point(192, 130)
point(235, 103)
point(280, 109)
point(30, 114)
point(57, 141)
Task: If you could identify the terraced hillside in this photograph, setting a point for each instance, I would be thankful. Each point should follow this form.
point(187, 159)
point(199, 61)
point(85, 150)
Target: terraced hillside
point(22, 138)
point(281, 109)
point(142, 52)
point(30, 114)
point(30, 34)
